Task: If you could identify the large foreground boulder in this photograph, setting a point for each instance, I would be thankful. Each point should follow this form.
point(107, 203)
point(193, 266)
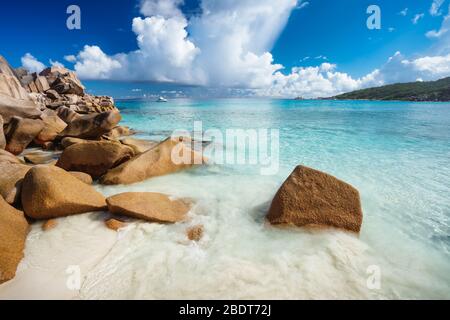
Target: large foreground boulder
point(50, 192)
point(169, 156)
point(11, 177)
point(155, 207)
point(13, 233)
point(313, 198)
point(21, 132)
point(92, 126)
point(94, 158)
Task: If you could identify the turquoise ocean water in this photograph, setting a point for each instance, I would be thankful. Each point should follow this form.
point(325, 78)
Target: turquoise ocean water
point(397, 154)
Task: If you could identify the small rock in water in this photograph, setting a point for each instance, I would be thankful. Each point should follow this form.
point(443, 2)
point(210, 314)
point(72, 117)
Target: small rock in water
point(195, 233)
point(114, 224)
point(50, 224)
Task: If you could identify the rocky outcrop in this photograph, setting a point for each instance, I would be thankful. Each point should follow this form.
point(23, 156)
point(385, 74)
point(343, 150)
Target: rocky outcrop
point(57, 86)
point(160, 160)
point(139, 146)
point(2, 134)
point(9, 83)
point(313, 198)
point(50, 192)
point(11, 177)
point(84, 177)
point(148, 206)
point(94, 158)
point(13, 232)
point(21, 132)
point(92, 126)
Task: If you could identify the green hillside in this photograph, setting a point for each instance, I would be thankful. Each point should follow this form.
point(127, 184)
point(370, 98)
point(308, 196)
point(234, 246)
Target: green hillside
point(413, 91)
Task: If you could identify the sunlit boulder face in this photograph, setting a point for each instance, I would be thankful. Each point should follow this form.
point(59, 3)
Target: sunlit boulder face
point(6, 156)
point(13, 232)
point(150, 206)
point(94, 158)
point(50, 192)
point(14, 99)
point(11, 177)
point(9, 83)
point(91, 126)
point(313, 198)
point(21, 132)
point(53, 125)
point(157, 161)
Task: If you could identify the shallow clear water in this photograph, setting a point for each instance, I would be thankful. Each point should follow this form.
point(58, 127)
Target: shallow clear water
point(396, 154)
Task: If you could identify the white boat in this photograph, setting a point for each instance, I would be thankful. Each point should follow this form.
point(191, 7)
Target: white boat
point(161, 99)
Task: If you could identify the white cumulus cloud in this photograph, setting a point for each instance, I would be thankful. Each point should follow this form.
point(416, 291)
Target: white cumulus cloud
point(435, 7)
point(70, 58)
point(229, 45)
point(417, 18)
point(30, 63)
point(93, 63)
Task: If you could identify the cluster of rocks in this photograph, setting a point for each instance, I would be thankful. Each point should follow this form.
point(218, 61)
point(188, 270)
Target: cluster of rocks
point(76, 140)
point(50, 111)
point(56, 86)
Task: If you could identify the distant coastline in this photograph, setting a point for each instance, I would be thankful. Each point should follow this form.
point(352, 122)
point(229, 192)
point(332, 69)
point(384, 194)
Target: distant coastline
point(429, 91)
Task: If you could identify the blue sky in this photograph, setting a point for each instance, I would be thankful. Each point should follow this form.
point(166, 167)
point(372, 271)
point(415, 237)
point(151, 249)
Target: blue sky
point(302, 35)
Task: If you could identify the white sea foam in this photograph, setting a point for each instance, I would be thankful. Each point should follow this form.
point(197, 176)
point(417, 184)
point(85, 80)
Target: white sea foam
point(239, 257)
